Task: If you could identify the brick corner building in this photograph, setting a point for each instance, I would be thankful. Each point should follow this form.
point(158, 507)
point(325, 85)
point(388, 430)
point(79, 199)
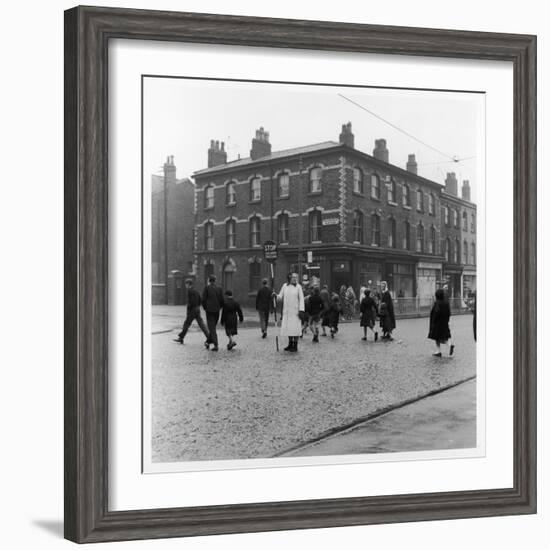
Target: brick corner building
point(337, 214)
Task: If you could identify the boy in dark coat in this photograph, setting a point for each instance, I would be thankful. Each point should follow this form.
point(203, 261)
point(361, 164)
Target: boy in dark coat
point(439, 323)
point(314, 308)
point(369, 312)
point(231, 311)
point(193, 313)
point(333, 315)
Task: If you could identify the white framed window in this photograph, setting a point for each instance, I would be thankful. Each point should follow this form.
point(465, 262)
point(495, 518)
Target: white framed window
point(255, 189)
point(315, 225)
point(209, 197)
point(255, 231)
point(406, 195)
point(375, 186)
point(209, 236)
point(283, 186)
point(282, 228)
point(391, 233)
point(358, 226)
point(230, 193)
point(375, 229)
point(315, 180)
point(420, 238)
point(230, 233)
point(358, 181)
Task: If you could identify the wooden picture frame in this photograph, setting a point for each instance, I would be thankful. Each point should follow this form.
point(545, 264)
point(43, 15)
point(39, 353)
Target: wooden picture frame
point(87, 34)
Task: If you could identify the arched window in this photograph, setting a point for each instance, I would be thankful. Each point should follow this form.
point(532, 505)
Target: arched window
point(392, 191)
point(283, 186)
point(473, 253)
point(315, 180)
point(465, 252)
point(230, 193)
point(448, 251)
point(432, 241)
point(465, 220)
point(375, 226)
point(315, 226)
point(419, 200)
point(209, 197)
point(230, 233)
point(255, 231)
point(255, 189)
point(406, 195)
point(457, 252)
point(420, 238)
point(358, 226)
point(431, 204)
point(254, 275)
point(282, 228)
point(406, 235)
point(209, 236)
point(391, 233)
point(358, 181)
point(375, 186)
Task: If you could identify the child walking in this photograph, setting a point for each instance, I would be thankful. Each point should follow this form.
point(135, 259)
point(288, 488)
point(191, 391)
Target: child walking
point(230, 313)
point(333, 315)
point(314, 308)
point(369, 312)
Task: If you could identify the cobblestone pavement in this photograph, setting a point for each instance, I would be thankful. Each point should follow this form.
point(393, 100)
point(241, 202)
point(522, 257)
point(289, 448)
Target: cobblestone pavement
point(255, 402)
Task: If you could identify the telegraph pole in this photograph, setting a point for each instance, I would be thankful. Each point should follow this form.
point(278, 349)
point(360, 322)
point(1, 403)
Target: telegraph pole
point(300, 226)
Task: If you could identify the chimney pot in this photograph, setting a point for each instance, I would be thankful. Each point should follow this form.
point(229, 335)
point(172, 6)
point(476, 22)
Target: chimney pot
point(260, 144)
point(412, 165)
point(380, 150)
point(346, 136)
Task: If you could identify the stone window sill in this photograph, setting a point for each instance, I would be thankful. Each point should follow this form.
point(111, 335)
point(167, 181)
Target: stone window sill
point(406, 207)
point(391, 203)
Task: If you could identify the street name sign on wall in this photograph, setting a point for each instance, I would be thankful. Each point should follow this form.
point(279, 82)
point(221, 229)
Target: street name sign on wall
point(331, 221)
point(270, 251)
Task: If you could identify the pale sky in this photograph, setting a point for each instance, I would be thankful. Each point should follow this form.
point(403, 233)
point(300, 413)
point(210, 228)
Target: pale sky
point(181, 116)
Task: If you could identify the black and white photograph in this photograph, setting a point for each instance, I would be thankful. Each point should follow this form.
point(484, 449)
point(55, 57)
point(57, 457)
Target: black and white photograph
point(310, 272)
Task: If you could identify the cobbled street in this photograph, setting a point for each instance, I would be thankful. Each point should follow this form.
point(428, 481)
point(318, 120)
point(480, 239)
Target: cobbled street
point(255, 402)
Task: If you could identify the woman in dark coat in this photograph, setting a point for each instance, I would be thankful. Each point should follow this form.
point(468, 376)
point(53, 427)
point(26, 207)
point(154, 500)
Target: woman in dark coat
point(439, 323)
point(230, 313)
point(369, 312)
point(387, 315)
point(333, 315)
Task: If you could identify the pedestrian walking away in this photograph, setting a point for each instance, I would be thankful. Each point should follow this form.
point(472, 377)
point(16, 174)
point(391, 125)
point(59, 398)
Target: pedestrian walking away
point(212, 302)
point(193, 313)
point(439, 323)
point(292, 297)
point(314, 308)
point(386, 312)
point(325, 296)
point(263, 305)
point(369, 313)
point(333, 315)
point(232, 315)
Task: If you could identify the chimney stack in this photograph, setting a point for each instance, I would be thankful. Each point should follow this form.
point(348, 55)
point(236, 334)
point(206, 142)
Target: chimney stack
point(466, 190)
point(216, 154)
point(347, 137)
point(451, 184)
point(260, 144)
point(170, 169)
point(412, 166)
point(380, 150)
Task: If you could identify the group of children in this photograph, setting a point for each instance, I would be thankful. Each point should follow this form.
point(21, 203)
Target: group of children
point(320, 309)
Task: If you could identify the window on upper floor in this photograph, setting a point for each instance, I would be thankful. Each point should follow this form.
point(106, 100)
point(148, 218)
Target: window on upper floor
point(358, 181)
point(230, 193)
point(455, 218)
point(406, 195)
point(255, 231)
point(209, 197)
point(392, 191)
point(230, 233)
point(375, 227)
point(209, 236)
point(391, 233)
point(420, 238)
point(375, 186)
point(431, 204)
point(465, 252)
point(358, 226)
point(282, 228)
point(406, 235)
point(446, 215)
point(433, 240)
point(283, 186)
point(315, 225)
point(419, 200)
point(465, 220)
point(473, 229)
point(315, 180)
point(457, 252)
point(255, 189)
point(473, 253)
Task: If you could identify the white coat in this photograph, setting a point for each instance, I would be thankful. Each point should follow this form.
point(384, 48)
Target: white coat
point(293, 302)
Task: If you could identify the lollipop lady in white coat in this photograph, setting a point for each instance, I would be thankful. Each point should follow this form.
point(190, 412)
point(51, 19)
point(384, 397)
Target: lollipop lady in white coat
point(292, 296)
